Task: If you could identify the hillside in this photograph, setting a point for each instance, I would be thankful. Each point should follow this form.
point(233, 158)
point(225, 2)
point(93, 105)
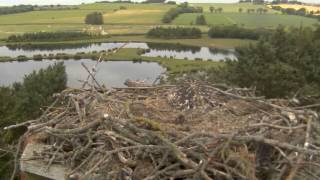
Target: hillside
point(122, 18)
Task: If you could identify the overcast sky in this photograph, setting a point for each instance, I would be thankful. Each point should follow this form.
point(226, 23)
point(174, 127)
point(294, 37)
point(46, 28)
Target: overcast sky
point(39, 2)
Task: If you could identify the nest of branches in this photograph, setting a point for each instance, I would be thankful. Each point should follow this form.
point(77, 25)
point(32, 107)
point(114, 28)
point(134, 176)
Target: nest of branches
point(192, 130)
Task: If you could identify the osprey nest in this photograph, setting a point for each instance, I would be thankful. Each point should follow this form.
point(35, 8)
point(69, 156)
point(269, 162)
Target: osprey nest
point(190, 130)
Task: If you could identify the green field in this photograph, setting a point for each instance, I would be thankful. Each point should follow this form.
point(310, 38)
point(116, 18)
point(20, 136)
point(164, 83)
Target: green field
point(232, 7)
point(248, 20)
point(139, 18)
point(134, 14)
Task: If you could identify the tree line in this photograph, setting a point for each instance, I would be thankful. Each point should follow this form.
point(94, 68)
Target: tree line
point(258, 10)
point(252, 1)
point(181, 9)
point(16, 9)
point(174, 33)
point(22, 102)
point(153, 1)
point(173, 46)
point(298, 12)
point(235, 31)
point(216, 10)
point(283, 64)
point(118, 1)
point(28, 8)
point(49, 36)
point(232, 31)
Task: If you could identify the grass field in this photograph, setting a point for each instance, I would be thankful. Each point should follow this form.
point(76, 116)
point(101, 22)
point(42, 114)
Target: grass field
point(134, 14)
point(139, 18)
point(248, 20)
point(233, 7)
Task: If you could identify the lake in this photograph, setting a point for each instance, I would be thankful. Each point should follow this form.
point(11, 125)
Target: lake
point(110, 73)
point(177, 51)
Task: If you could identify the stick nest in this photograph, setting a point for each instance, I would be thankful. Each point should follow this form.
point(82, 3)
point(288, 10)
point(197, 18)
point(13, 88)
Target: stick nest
point(191, 130)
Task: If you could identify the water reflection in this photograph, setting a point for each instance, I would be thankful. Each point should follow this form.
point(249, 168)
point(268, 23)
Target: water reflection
point(173, 47)
point(31, 50)
point(191, 53)
point(109, 73)
point(168, 50)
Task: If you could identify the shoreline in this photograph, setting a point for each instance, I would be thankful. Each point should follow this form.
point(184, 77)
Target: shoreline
point(205, 41)
point(173, 66)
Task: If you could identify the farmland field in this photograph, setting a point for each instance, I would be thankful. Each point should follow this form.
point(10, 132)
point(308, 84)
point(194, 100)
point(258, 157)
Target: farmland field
point(248, 20)
point(232, 7)
point(134, 14)
point(297, 6)
point(125, 18)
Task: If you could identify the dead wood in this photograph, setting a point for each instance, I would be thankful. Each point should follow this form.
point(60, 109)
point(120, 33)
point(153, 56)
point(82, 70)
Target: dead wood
point(190, 130)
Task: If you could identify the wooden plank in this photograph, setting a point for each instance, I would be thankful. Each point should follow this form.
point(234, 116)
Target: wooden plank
point(29, 164)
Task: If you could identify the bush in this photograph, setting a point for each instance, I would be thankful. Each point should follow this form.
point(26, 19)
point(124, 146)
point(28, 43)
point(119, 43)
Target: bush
point(174, 33)
point(22, 58)
point(37, 57)
point(95, 18)
point(237, 32)
point(201, 20)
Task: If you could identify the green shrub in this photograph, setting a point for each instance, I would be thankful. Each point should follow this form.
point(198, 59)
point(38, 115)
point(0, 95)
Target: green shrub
point(22, 58)
point(49, 36)
point(37, 57)
point(95, 18)
point(201, 20)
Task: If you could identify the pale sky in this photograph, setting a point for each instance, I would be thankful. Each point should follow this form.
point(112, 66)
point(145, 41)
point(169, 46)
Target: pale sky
point(46, 2)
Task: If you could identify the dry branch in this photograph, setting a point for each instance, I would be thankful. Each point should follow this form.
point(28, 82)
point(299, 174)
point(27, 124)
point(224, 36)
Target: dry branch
point(206, 133)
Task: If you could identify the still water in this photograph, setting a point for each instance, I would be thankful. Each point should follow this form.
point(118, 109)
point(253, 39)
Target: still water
point(177, 51)
point(110, 73)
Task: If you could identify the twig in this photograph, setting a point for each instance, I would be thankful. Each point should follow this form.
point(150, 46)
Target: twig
point(92, 76)
point(16, 157)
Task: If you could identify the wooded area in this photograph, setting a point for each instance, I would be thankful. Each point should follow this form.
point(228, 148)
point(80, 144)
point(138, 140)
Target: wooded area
point(284, 64)
point(50, 36)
